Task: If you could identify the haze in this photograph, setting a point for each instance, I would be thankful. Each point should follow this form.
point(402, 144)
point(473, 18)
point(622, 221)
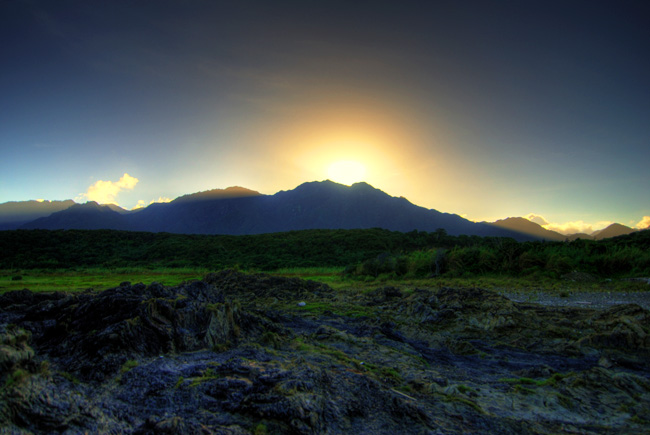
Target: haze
point(484, 109)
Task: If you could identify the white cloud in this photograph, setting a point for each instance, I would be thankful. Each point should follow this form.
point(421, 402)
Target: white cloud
point(105, 192)
point(536, 218)
point(568, 228)
point(142, 203)
point(644, 223)
point(577, 227)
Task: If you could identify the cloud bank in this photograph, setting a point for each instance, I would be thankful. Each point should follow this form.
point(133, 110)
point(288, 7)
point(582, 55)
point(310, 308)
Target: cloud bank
point(536, 218)
point(142, 203)
point(568, 228)
point(105, 192)
point(577, 227)
point(644, 223)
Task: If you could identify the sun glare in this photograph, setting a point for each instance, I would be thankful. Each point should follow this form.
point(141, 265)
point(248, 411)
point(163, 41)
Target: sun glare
point(346, 172)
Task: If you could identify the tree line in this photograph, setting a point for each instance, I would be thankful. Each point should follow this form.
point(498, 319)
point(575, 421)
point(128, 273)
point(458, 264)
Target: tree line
point(361, 252)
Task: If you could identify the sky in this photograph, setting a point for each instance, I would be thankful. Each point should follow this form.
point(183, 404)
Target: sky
point(486, 109)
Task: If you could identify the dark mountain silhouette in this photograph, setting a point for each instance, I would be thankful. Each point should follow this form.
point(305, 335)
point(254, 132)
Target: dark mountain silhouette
point(14, 214)
point(612, 231)
point(117, 208)
point(229, 192)
point(314, 205)
point(236, 211)
point(524, 226)
point(88, 216)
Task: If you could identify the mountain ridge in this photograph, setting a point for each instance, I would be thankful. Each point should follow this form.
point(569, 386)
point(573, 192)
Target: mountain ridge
point(239, 211)
point(311, 205)
point(14, 214)
point(524, 226)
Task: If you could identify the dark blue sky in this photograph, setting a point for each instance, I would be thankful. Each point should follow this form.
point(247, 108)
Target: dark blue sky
point(485, 109)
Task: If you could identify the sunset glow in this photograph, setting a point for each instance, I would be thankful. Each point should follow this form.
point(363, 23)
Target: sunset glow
point(450, 106)
point(346, 172)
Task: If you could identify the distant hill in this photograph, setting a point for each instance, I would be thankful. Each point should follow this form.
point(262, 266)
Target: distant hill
point(117, 208)
point(14, 214)
point(88, 216)
point(524, 226)
point(229, 192)
point(612, 231)
point(236, 211)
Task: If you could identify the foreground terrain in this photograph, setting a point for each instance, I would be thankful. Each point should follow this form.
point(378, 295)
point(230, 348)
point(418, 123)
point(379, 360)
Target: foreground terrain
point(236, 353)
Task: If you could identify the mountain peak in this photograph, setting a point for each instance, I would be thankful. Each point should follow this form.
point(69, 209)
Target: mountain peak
point(362, 185)
point(525, 226)
point(612, 230)
point(228, 192)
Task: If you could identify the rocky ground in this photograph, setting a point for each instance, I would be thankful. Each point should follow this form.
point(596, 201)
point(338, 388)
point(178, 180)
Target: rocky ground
point(238, 353)
point(584, 299)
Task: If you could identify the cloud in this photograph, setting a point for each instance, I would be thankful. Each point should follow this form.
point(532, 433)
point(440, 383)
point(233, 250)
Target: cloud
point(105, 192)
point(536, 218)
point(577, 227)
point(568, 228)
point(142, 203)
point(644, 223)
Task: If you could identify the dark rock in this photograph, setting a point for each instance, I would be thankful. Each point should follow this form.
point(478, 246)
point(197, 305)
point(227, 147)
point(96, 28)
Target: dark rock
point(235, 354)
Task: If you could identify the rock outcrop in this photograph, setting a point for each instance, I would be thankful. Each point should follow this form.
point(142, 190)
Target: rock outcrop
point(237, 353)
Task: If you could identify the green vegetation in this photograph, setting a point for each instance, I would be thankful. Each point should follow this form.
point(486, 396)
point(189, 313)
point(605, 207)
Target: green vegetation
point(80, 279)
point(208, 375)
point(520, 382)
point(76, 260)
point(466, 257)
point(43, 249)
point(70, 377)
point(17, 377)
point(464, 401)
point(179, 382)
point(128, 365)
point(260, 429)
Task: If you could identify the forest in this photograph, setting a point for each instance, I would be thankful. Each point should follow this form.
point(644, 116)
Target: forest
point(364, 252)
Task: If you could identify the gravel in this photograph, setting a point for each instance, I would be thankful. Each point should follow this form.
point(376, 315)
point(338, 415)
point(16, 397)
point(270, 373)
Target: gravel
point(597, 300)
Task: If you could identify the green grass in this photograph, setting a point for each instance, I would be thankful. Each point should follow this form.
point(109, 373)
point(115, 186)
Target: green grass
point(498, 283)
point(95, 278)
point(16, 377)
point(208, 375)
point(552, 381)
point(331, 276)
point(128, 365)
point(98, 279)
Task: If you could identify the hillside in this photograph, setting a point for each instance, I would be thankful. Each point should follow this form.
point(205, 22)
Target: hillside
point(613, 230)
point(524, 226)
point(527, 228)
point(14, 214)
point(88, 216)
point(238, 211)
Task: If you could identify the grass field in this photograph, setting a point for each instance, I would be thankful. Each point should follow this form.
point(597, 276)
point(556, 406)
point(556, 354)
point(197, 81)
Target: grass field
point(101, 279)
point(96, 279)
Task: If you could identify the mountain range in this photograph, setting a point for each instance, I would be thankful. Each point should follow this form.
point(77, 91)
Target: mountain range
point(14, 214)
point(238, 211)
point(524, 226)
